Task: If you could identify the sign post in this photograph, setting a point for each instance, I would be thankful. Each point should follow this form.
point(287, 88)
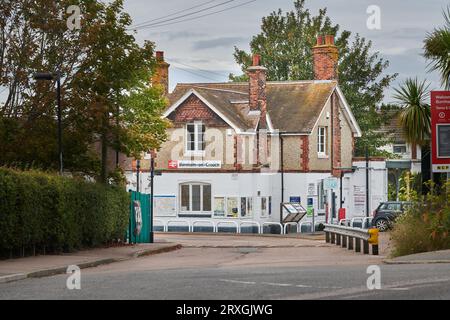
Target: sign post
point(440, 127)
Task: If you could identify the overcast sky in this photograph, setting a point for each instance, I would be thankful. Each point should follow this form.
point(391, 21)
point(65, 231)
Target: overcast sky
point(207, 43)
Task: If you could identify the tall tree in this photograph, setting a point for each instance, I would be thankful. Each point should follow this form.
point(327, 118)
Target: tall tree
point(415, 115)
point(103, 68)
point(285, 45)
point(437, 49)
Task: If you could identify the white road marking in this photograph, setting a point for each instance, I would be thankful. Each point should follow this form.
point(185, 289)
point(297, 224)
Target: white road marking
point(237, 281)
point(276, 284)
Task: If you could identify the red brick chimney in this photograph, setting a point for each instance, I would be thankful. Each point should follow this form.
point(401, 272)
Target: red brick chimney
point(161, 76)
point(257, 88)
point(326, 57)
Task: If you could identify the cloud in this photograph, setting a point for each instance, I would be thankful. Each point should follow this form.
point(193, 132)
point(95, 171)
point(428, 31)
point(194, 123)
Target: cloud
point(218, 42)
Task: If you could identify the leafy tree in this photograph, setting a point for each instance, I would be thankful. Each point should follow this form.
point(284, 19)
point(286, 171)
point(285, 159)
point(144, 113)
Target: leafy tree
point(437, 49)
point(285, 45)
point(104, 70)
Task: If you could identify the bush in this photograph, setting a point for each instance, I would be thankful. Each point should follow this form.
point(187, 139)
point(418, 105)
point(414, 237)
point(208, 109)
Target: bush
point(46, 212)
point(425, 226)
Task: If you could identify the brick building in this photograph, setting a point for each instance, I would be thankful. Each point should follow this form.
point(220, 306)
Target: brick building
point(238, 150)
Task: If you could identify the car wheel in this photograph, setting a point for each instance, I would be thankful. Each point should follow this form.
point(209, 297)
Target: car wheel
point(382, 225)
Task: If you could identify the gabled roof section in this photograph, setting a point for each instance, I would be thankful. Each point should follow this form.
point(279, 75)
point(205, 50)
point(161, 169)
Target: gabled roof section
point(221, 102)
point(292, 106)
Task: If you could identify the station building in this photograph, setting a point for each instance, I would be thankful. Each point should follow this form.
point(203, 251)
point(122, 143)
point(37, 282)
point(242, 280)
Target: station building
point(236, 151)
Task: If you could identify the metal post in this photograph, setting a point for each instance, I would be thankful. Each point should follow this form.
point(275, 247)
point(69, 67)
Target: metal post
point(327, 237)
point(357, 245)
point(365, 247)
point(333, 237)
point(367, 182)
point(344, 241)
point(152, 175)
point(340, 190)
point(282, 177)
point(60, 150)
point(350, 243)
point(375, 250)
point(138, 168)
point(338, 239)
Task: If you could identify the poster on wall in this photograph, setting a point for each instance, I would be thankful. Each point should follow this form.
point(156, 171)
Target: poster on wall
point(440, 125)
point(359, 199)
point(165, 206)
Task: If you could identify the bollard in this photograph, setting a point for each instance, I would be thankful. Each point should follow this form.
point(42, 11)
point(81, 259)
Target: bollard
point(357, 245)
point(375, 250)
point(366, 247)
point(350, 243)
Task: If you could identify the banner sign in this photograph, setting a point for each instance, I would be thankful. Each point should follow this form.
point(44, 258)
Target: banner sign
point(195, 164)
point(330, 183)
point(440, 126)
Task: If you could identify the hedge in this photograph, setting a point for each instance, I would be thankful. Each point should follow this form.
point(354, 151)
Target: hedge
point(45, 212)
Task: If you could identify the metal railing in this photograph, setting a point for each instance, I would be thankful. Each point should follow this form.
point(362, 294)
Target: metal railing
point(347, 237)
point(268, 223)
point(287, 224)
point(161, 222)
point(178, 221)
point(229, 221)
point(212, 224)
point(258, 225)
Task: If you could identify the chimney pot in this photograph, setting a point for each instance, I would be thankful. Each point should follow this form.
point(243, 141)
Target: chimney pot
point(256, 60)
point(160, 55)
point(325, 59)
point(319, 40)
point(161, 75)
point(329, 39)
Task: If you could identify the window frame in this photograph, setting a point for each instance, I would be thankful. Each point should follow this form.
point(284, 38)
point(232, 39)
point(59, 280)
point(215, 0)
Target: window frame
point(201, 200)
point(198, 125)
point(401, 146)
point(322, 140)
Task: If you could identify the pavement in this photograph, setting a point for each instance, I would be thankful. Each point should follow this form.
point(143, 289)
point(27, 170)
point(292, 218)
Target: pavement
point(46, 265)
point(442, 256)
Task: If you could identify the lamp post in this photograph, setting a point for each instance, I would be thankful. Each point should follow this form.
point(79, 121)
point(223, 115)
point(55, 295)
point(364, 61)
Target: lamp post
point(55, 77)
point(152, 176)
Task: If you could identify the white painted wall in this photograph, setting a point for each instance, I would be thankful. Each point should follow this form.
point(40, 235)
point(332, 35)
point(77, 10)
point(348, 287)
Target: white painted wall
point(257, 185)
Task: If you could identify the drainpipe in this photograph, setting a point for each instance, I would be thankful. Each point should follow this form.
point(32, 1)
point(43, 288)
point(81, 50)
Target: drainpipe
point(282, 177)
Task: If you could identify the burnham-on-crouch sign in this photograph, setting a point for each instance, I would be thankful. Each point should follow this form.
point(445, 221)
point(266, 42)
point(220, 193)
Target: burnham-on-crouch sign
point(440, 126)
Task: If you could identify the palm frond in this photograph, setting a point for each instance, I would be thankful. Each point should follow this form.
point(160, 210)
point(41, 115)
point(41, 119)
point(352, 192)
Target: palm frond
point(415, 116)
point(437, 50)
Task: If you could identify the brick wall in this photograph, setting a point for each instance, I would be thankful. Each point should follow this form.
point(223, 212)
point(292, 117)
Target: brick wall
point(325, 58)
point(193, 109)
point(336, 135)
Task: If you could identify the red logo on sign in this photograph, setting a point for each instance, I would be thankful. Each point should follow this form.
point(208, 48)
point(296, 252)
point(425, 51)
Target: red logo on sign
point(173, 164)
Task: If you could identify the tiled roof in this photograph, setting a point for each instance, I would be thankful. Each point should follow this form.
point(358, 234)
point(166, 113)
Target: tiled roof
point(393, 127)
point(292, 106)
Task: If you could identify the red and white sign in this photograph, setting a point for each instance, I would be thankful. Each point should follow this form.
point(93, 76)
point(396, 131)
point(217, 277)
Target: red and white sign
point(440, 126)
point(195, 164)
point(173, 164)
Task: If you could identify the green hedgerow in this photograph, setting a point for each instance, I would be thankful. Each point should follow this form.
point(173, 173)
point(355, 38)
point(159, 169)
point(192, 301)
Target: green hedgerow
point(44, 211)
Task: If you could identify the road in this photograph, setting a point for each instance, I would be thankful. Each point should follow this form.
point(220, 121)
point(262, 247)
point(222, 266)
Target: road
point(236, 268)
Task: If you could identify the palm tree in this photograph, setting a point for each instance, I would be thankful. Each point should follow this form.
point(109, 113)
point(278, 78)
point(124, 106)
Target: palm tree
point(437, 49)
point(415, 116)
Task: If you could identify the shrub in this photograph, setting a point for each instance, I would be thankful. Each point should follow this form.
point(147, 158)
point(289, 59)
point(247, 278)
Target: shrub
point(426, 225)
point(51, 213)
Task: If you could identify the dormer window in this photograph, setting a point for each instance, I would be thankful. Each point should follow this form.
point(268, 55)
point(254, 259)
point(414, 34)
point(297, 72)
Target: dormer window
point(195, 138)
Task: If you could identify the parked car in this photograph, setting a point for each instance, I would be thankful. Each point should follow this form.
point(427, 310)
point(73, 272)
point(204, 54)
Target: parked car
point(386, 213)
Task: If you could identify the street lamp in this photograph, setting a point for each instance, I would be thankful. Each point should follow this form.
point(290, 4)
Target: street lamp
point(55, 77)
